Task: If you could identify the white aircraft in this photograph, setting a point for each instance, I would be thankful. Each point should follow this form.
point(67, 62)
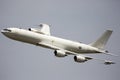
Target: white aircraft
point(62, 47)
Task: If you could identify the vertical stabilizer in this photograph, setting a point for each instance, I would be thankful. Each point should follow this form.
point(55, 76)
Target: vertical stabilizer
point(101, 42)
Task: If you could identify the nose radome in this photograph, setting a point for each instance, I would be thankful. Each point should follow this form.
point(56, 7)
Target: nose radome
point(7, 30)
point(2, 31)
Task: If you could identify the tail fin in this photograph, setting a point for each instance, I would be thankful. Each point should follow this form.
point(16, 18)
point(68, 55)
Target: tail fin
point(101, 42)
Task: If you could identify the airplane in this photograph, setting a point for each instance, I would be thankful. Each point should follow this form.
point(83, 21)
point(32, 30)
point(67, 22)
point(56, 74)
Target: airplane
point(62, 47)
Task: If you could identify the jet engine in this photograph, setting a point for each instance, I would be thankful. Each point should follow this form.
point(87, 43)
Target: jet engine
point(79, 58)
point(59, 53)
point(35, 30)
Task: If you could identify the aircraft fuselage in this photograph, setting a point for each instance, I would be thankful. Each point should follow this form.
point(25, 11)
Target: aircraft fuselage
point(36, 38)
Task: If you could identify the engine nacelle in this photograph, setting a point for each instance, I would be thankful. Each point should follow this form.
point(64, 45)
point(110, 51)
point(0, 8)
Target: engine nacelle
point(79, 58)
point(59, 53)
point(36, 30)
point(33, 29)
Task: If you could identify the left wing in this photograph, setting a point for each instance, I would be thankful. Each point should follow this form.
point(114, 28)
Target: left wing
point(45, 29)
point(77, 57)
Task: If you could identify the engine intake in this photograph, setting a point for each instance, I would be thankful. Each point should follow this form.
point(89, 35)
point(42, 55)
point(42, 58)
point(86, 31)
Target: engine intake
point(59, 53)
point(35, 30)
point(79, 59)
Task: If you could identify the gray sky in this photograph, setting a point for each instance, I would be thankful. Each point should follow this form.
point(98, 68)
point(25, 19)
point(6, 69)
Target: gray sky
point(79, 20)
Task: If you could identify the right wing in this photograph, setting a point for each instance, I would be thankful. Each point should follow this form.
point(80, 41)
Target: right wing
point(107, 62)
point(43, 44)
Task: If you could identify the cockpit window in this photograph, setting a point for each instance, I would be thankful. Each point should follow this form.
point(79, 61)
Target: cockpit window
point(7, 30)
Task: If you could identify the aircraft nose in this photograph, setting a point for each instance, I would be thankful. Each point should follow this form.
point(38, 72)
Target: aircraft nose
point(2, 31)
point(6, 30)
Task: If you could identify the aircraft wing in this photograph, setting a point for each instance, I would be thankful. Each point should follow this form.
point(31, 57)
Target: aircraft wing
point(43, 44)
point(106, 62)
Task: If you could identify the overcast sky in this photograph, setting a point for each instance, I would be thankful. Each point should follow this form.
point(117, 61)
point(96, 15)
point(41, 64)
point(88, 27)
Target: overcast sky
point(79, 20)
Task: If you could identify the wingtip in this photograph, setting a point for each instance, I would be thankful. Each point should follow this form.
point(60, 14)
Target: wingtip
point(109, 62)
